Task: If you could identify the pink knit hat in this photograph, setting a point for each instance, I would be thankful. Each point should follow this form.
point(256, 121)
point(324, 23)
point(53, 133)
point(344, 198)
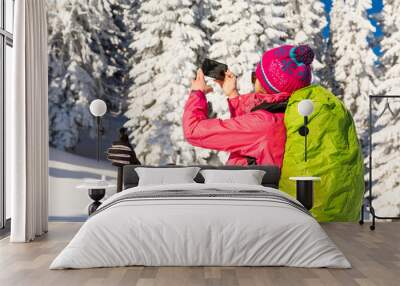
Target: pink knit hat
point(285, 68)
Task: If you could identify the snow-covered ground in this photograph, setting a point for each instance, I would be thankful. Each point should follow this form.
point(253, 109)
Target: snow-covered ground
point(66, 171)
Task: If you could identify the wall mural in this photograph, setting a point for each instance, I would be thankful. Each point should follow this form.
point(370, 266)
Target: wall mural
point(141, 56)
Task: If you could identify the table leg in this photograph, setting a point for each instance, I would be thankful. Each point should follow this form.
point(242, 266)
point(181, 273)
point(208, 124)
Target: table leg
point(305, 193)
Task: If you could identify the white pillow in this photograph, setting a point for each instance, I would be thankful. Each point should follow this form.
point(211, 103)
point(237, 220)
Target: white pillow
point(166, 176)
point(248, 177)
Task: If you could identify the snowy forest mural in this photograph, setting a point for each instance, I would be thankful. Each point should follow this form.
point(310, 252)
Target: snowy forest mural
point(140, 56)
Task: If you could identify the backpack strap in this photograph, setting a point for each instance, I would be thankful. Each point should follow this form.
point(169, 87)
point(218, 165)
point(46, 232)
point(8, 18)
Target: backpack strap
point(276, 107)
point(251, 161)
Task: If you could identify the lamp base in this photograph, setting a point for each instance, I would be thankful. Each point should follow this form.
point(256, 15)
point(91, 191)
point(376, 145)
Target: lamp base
point(303, 131)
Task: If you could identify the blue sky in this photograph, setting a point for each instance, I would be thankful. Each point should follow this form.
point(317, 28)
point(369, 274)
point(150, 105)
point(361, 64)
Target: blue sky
point(377, 6)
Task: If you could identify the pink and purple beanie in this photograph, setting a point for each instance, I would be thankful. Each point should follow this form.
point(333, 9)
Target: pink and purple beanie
point(285, 68)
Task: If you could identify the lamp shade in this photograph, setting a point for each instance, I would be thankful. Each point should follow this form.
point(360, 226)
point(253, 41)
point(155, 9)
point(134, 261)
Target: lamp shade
point(305, 107)
point(98, 107)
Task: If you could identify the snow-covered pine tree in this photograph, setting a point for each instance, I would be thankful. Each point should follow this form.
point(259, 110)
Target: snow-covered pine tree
point(87, 51)
point(110, 39)
point(327, 74)
point(386, 136)
point(244, 30)
point(167, 47)
point(390, 46)
point(353, 57)
point(70, 85)
point(307, 19)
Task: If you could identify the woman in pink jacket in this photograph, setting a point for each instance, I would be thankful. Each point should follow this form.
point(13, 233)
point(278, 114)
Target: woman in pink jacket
point(255, 133)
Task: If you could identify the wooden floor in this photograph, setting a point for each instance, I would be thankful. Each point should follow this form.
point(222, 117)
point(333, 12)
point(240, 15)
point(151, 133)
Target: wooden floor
point(375, 257)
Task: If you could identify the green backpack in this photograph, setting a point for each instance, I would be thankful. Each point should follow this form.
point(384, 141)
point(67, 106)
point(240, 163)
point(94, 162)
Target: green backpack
point(333, 153)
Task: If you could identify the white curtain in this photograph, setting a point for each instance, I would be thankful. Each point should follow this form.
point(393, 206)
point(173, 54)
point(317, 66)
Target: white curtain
point(27, 123)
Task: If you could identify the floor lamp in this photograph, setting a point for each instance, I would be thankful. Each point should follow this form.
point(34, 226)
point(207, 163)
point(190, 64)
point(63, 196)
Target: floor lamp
point(98, 108)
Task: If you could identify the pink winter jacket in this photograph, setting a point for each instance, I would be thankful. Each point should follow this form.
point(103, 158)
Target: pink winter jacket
point(259, 134)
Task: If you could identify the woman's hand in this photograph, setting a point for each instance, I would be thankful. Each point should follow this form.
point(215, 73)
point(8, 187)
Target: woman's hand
point(228, 85)
point(199, 83)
